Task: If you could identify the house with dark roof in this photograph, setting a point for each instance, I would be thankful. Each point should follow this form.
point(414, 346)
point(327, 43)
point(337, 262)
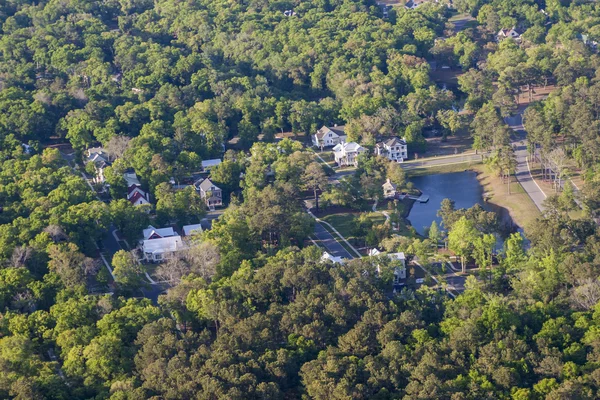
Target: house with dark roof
point(327, 137)
point(212, 194)
point(394, 149)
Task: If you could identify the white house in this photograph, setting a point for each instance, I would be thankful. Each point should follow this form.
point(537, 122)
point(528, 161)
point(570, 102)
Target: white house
point(207, 165)
point(394, 149)
point(160, 243)
point(508, 33)
point(334, 259)
point(160, 249)
point(99, 157)
point(347, 153)
point(135, 194)
point(327, 137)
point(398, 262)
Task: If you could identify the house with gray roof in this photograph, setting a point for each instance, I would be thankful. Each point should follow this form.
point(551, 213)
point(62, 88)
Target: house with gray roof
point(347, 153)
point(211, 193)
point(327, 137)
point(394, 149)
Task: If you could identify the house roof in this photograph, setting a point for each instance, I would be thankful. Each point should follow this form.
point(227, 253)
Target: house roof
point(393, 141)
point(137, 196)
point(163, 245)
point(207, 185)
point(162, 232)
point(211, 163)
point(352, 146)
point(389, 183)
point(397, 256)
point(191, 229)
point(131, 179)
point(338, 130)
point(374, 252)
point(326, 256)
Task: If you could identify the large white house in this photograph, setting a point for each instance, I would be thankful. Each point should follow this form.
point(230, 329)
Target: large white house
point(347, 153)
point(212, 194)
point(398, 261)
point(159, 244)
point(327, 137)
point(394, 149)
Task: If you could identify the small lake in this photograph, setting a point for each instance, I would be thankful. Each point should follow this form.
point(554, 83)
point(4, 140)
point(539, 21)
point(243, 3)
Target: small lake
point(462, 187)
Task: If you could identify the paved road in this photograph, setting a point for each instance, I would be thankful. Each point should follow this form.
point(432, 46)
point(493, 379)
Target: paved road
point(327, 240)
point(522, 171)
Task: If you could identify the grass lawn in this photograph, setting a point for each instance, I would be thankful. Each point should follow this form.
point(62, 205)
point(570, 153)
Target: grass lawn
point(521, 208)
point(442, 169)
point(345, 223)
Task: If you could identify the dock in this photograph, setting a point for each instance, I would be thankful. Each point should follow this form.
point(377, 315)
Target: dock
point(423, 198)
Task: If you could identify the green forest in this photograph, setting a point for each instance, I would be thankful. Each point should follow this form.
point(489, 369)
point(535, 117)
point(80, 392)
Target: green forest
point(250, 309)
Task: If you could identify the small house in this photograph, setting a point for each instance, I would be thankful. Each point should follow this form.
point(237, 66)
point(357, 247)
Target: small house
point(390, 189)
point(100, 159)
point(398, 261)
point(508, 33)
point(334, 259)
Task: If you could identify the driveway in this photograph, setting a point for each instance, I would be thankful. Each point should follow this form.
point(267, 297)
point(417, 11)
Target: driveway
point(327, 240)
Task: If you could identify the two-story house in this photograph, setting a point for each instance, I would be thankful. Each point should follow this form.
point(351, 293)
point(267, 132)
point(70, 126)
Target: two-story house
point(327, 137)
point(508, 33)
point(135, 194)
point(212, 194)
point(100, 159)
point(394, 149)
point(347, 153)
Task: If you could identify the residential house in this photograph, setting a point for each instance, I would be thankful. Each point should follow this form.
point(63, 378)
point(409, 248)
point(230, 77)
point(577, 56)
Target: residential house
point(100, 158)
point(135, 194)
point(508, 33)
point(159, 244)
point(347, 153)
point(189, 230)
point(212, 194)
point(394, 149)
point(157, 250)
point(390, 190)
point(334, 259)
point(207, 165)
point(592, 44)
point(327, 137)
point(398, 261)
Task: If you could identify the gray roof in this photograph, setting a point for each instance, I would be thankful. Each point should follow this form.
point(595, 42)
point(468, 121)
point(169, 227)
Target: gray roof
point(394, 141)
point(338, 130)
point(207, 185)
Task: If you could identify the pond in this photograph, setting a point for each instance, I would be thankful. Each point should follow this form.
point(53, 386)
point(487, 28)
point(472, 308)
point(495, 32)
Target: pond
point(462, 187)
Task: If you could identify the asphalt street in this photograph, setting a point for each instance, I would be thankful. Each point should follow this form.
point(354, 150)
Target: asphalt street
point(332, 246)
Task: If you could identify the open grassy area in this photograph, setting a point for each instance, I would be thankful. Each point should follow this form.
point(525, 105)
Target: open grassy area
point(442, 169)
point(345, 223)
point(519, 205)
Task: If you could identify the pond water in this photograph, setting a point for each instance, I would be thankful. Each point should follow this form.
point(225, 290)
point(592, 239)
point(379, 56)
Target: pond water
point(462, 187)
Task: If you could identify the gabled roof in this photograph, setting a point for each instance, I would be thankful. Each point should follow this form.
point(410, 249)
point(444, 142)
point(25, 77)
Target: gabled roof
point(163, 245)
point(161, 232)
point(207, 185)
point(137, 196)
point(393, 141)
point(352, 146)
point(337, 130)
point(374, 252)
point(131, 178)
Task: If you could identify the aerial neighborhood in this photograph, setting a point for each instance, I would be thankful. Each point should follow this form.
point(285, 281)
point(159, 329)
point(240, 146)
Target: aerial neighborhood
point(300, 200)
